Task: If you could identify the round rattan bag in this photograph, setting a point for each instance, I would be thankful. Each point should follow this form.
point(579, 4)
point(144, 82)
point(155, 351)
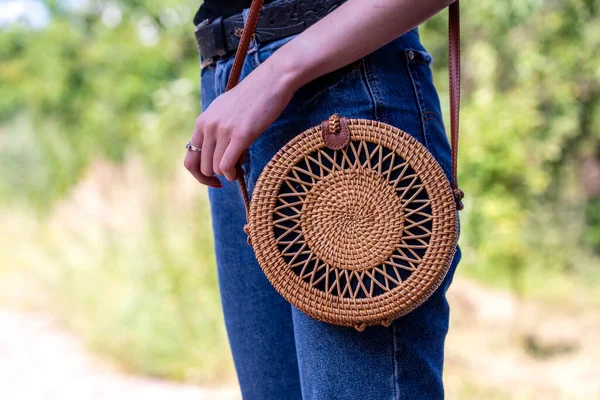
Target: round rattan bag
point(354, 222)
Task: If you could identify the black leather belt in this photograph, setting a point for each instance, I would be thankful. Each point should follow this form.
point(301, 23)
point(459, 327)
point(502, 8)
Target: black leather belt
point(278, 19)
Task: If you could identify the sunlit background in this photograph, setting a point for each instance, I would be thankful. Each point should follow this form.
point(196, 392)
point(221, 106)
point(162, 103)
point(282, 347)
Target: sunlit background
point(107, 278)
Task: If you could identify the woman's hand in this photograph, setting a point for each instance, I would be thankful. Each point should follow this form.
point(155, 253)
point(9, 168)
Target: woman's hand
point(234, 120)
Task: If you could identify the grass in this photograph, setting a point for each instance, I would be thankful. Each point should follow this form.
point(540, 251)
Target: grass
point(538, 282)
point(128, 265)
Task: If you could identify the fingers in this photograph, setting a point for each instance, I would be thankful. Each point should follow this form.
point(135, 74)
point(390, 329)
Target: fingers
point(192, 164)
point(198, 135)
point(230, 158)
point(218, 155)
point(222, 149)
point(208, 150)
point(193, 159)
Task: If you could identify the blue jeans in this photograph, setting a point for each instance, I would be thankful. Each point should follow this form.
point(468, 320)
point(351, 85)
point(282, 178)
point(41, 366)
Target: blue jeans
point(279, 352)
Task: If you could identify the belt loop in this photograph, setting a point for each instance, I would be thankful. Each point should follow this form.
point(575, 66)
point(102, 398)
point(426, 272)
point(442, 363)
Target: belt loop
point(253, 48)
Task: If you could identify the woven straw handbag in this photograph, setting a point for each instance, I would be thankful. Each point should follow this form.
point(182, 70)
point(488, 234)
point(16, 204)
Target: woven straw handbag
point(353, 221)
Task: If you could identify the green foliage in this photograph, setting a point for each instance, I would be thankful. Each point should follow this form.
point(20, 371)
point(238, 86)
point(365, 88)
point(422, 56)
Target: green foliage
point(118, 81)
point(151, 299)
point(530, 116)
point(87, 89)
point(126, 261)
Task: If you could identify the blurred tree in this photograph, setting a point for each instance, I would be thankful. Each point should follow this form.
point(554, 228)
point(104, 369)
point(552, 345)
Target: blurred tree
point(111, 78)
point(531, 117)
point(98, 81)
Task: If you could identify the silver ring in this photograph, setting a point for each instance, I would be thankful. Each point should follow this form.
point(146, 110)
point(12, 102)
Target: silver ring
point(191, 147)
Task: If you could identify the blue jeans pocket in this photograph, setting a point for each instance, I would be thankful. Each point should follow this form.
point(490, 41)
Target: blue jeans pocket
point(313, 89)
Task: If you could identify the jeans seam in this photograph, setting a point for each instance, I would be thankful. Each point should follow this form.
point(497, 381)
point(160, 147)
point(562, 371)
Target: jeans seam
point(419, 99)
point(436, 117)
point(437, 121)
point(216, 80)
point(253, 59)
point(249, 186)
point(446, 168)
point(396, 376)
point(374, 92)
point(416, 83)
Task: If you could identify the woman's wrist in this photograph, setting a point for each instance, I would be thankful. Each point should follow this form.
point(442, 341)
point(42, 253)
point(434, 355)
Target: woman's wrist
point(288, 68)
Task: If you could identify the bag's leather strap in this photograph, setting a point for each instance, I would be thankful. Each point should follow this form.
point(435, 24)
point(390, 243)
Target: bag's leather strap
point(454, 77)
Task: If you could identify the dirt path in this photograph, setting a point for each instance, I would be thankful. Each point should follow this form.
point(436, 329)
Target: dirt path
point(39, 361)
point(498, 348)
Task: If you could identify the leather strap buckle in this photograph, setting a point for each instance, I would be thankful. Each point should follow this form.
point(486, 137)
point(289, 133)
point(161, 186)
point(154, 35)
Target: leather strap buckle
point(202, 24)
point(210, 38)
point(206, 63)
point(219, 36)
point(198, 33)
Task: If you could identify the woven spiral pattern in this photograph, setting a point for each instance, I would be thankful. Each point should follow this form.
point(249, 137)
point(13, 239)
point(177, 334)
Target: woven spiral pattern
point(357, 236)
point(351, 219)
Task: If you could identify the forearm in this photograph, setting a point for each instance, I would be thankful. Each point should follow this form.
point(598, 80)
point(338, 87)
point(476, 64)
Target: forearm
point(350, 32)
point(236, 118)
